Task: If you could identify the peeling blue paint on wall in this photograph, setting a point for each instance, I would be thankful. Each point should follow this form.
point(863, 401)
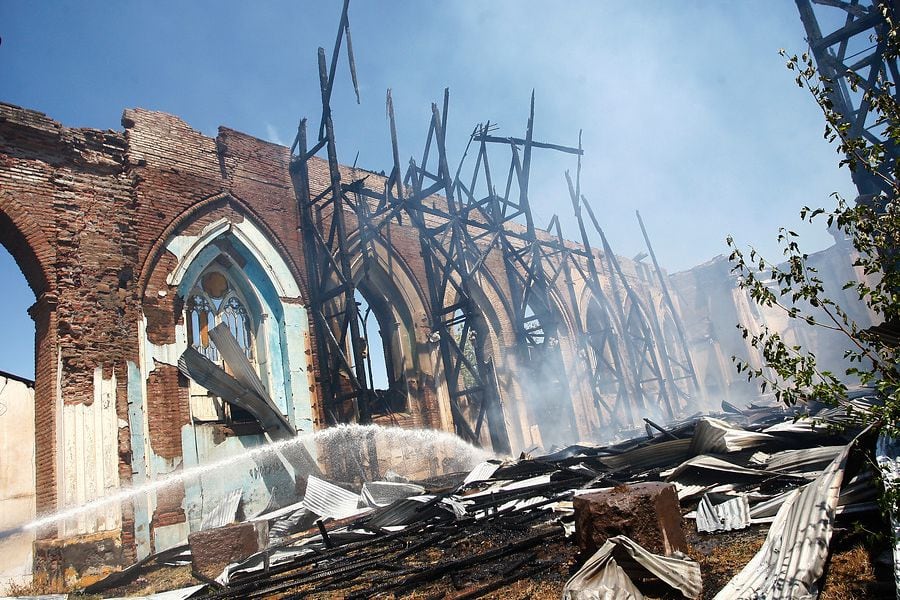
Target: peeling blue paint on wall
point(138, 459)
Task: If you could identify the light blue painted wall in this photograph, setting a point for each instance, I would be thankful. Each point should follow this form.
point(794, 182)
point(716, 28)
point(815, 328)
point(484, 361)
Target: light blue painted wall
point(138, 458)
point(268, 475)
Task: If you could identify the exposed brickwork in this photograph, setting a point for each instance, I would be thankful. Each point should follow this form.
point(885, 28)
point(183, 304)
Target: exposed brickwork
point(214, 549)
point(168, 410)
point(88, 215)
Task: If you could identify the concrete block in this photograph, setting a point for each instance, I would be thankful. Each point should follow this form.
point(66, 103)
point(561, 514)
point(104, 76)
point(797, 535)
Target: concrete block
point(648, 513)
point(212, 550)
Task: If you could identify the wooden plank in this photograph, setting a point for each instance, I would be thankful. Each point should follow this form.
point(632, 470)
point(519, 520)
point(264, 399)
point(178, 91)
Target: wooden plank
point(520, 142)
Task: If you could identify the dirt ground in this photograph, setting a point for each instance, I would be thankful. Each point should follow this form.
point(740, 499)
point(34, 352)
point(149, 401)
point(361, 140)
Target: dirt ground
point(857, 569)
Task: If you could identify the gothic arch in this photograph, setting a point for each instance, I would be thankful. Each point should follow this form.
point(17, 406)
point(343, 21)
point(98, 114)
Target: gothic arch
point(27, 244)
point(208, 205)
point(489, 321)
point(233, 249)
point(606, 356)
point(559, 409)
point(399, 305)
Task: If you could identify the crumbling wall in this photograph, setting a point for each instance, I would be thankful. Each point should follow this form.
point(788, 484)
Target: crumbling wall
point(712, 305)
point(108, 227)
point(65, 198)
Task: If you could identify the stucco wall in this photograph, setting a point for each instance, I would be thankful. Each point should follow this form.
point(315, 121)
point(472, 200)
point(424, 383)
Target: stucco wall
point(17, 490)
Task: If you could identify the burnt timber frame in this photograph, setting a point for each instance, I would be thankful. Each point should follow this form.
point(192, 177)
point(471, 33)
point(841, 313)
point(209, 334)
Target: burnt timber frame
point(679, 357)
point(457, 235)
point(341, 361)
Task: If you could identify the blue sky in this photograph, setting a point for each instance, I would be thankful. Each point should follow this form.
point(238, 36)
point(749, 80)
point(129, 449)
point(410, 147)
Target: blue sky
point(688, 112)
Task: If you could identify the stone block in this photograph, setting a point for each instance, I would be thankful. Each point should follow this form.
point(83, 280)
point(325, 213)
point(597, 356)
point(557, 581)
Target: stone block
point(212, 550)
point(648, 513)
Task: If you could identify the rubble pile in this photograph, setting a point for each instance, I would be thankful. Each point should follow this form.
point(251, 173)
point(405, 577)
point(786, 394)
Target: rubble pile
point(615, 511)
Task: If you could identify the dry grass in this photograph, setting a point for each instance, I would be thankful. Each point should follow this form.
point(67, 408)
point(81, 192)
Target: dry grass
point(849, 576)
point(155, 580)
point(722, 558)
point(39, 586)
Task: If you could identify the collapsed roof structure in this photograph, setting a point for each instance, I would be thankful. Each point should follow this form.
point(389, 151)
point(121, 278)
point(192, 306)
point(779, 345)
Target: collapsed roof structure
point(200, 297)
point(512, 528)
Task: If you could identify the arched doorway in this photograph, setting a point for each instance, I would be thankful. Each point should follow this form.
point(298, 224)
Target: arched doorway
point(17, 472)
point(24, 318)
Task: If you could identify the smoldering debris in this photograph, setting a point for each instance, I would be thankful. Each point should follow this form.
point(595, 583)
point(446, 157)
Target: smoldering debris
point(511, 523)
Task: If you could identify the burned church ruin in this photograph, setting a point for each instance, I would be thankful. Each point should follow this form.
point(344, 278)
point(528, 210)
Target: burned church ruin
point(200, 297)
point(138, 244)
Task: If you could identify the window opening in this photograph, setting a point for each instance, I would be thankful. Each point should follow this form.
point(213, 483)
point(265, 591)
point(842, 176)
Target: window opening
point(375, 354)
point(18, 354)
point(213, 300)
point(535, 334)
point(378, 330)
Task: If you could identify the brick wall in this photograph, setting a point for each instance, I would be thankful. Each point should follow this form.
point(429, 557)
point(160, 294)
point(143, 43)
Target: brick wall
point(87, 215)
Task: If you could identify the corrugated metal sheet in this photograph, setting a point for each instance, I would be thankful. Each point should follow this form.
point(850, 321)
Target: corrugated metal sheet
point(235, 358)
point(224, 513)
point(258, 562)
point(296, 520)
point(215, 379)
point(405, 512)
point(281, 512)
point(856, 495)
point(649, 457)
point(793, 556)
point(712, 463)
point(505, 486)
point(802, 425)
point(609, 573)
point(328, 500)
point(245, 372)
point(804, 459)
point(601, 578)
point(727, 516)
point(382, 493)
point(481, 472)
point(714, 435)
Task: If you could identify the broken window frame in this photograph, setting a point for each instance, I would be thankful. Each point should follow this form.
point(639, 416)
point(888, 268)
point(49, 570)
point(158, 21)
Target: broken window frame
point(203, 403)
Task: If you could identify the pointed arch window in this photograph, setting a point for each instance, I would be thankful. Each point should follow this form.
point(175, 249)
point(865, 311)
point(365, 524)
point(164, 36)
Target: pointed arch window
point(215, 299)
point(212, 301)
